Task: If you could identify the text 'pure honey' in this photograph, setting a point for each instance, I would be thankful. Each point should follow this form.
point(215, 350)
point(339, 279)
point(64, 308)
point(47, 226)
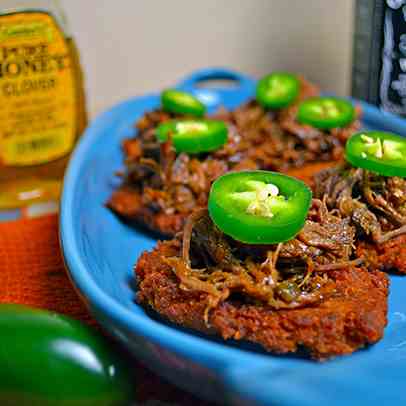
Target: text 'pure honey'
point(42, 104)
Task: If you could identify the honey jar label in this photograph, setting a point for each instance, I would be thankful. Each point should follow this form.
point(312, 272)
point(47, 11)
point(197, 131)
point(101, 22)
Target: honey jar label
point(38, 114)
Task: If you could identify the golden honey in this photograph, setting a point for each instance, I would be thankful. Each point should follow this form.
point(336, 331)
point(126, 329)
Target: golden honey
point(42, 102)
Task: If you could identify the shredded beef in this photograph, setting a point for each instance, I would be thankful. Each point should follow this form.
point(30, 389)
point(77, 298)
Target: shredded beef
point(282, 276)
point(276, 141)
point(389, 256)
point(376, 206)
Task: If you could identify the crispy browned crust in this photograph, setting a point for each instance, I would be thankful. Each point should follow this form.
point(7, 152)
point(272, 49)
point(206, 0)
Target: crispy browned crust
point(306, 172)
point(389, 256)
point(127, 202)
point(354, 317)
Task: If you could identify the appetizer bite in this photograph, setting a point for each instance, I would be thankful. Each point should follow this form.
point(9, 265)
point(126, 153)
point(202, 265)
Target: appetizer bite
point(371, 191)
point(171, 164)
point(269, 264)
point(289, 125)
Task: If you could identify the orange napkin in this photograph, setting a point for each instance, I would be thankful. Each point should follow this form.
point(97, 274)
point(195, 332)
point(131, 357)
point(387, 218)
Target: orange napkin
point(32, 273)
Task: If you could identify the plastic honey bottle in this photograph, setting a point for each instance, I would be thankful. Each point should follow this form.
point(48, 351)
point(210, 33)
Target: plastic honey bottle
point(42, 101)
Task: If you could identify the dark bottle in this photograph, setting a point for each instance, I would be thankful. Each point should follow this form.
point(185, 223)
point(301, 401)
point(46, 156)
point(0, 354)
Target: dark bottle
point(379, 62)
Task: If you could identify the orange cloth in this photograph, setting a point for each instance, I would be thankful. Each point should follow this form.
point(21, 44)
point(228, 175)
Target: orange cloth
point(32, 273)
point(31, 267)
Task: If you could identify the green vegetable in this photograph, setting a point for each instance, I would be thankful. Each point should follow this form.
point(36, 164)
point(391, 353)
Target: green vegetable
point(178, 102)
point(194, 136)
point(277, 90)
point(47, 359)
point(325, 113)
point(259, 207)
point(377, 151)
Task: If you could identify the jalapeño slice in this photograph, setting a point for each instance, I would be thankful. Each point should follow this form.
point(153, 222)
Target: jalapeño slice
point(178, 102)
point(380, 152)
point(194, 136)
point(259, 207)
point(325, 113)
point(277, 90)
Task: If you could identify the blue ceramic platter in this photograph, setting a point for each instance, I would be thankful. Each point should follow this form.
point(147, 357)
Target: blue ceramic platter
point(100, 252)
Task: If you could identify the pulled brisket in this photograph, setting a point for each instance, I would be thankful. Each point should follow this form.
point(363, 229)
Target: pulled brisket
point(376, 206)
point(278, 142)
point(286, 275)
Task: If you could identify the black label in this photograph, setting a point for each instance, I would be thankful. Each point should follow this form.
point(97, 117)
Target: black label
point(379, 63)
point(392, 91)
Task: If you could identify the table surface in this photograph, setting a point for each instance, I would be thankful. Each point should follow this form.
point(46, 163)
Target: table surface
point(32, 273)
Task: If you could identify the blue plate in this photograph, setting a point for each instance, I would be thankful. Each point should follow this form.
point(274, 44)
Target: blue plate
point(100, 252)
